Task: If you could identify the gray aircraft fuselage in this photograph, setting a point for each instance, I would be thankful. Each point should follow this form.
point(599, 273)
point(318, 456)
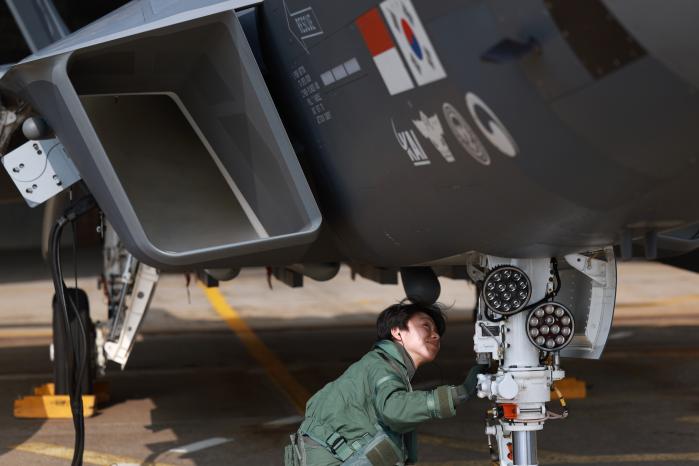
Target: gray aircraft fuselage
point(604, 131)
point(424, 130)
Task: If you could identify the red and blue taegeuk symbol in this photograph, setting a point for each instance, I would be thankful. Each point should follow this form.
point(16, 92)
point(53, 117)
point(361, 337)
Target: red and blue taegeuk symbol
point(410, 37)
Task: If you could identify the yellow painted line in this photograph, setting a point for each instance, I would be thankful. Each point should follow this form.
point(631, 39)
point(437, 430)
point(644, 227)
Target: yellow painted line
point(686, 299)
point(276, 370)
point(693, 419)
point(549, 457)
point(90, 457)
point(26, 333)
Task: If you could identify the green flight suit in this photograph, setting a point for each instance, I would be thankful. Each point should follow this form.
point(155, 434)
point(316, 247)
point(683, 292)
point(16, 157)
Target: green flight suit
point(374, 391)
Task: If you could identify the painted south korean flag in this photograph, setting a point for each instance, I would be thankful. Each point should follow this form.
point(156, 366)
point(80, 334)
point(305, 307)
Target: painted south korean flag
point(414, 44)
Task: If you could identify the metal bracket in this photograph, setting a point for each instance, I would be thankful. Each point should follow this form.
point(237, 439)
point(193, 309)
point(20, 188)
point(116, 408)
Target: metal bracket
point(503, 444)
point(593, 268)
point(476, 264)
point(40, 170)
point(143, 290)
point(488, 339)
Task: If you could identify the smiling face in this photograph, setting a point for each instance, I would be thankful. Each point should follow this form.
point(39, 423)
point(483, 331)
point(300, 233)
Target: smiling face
point(420, 339)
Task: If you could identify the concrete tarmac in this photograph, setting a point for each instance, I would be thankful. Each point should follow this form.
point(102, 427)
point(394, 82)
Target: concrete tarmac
point(195, 393)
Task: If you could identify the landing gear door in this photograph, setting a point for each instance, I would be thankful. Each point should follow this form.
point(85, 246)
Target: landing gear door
point(589, 290)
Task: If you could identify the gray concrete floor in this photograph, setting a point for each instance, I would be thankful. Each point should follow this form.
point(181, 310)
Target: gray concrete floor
point(191, 379)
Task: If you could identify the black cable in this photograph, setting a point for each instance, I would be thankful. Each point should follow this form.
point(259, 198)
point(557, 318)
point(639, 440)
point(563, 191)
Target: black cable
point(554, 265)
point(549, 296)
point(82, 354)
point(59, 288)
point(79, 354)
point(74, 231)
point(59, 285)
point(491, 316)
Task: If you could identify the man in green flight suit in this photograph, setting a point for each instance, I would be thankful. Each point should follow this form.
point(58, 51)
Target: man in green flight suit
point(368, 415)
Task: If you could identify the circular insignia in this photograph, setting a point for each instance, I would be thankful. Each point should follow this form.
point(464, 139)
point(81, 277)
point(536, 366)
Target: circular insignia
point(465, 135)
point(492, 127)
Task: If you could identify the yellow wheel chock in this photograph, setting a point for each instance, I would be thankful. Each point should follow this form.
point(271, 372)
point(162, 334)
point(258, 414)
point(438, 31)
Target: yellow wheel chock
point(45, 404)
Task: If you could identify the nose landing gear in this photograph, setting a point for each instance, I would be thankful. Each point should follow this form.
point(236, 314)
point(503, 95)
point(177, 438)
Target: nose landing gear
point(523, 327)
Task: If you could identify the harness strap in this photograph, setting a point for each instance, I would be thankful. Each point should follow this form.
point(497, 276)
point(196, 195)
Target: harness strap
point(396, 368)
point(338, 446)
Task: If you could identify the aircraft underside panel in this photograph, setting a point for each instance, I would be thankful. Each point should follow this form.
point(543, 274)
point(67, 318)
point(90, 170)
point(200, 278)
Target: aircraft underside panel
point(175, 134)
point(428, 134)
point(427, 129)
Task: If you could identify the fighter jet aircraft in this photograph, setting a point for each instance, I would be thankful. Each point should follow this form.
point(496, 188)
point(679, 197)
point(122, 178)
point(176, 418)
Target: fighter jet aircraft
point(522, 145)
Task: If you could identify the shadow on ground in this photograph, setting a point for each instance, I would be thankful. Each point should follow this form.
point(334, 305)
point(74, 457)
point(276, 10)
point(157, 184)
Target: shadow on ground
point(181, 388)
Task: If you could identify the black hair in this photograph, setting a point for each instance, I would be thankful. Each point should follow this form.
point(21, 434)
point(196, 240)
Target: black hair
point(399, 314)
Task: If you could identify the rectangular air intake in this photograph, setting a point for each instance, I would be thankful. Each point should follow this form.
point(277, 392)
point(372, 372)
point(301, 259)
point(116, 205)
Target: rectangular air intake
point(181, 191)
point(174, 131)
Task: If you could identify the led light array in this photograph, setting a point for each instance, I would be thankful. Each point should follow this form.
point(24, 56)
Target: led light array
point(506, 290)
point(550, 326)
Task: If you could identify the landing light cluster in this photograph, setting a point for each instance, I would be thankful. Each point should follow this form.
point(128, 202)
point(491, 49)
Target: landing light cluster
point(550, 326)
point(506, 290)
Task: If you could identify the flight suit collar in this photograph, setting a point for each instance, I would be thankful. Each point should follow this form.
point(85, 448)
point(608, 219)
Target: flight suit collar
point(397, 352)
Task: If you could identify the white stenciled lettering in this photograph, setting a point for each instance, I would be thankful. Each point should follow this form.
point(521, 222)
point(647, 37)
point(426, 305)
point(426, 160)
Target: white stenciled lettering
point(431, 128)
point(308, 88)
point(409, 142)
point(305, 23)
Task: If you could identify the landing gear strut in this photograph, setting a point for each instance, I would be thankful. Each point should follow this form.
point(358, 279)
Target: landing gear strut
point(524, 328)
point(129, 287)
